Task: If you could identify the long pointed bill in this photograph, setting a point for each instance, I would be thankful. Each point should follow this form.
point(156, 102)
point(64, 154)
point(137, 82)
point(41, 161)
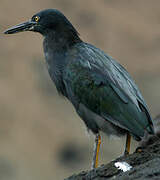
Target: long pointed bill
point(27, 26)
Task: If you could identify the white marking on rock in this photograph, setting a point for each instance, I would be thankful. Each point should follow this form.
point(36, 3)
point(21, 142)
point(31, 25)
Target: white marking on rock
point(124, 166)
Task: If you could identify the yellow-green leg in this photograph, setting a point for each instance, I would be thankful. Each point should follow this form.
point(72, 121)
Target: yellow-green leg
point(96, 151)
point(128, 144)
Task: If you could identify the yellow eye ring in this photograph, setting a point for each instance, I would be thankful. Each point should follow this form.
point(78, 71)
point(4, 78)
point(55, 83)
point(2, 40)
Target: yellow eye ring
point(36, 18)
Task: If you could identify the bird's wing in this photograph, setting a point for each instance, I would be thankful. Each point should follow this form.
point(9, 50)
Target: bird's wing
point(106, 88)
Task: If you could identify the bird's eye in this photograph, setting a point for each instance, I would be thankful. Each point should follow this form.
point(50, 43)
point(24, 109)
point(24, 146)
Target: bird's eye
point(36, 18)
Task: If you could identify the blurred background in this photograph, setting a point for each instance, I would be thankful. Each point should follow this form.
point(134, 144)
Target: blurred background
point(41, 137)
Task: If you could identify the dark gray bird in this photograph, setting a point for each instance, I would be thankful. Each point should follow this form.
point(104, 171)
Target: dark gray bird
point(100, 89)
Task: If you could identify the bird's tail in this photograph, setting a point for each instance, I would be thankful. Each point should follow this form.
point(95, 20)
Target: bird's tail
point(149, 139)
point(156, 125)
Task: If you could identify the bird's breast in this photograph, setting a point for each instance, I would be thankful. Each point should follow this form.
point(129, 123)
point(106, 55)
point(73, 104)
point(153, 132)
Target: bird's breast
point(55, 69)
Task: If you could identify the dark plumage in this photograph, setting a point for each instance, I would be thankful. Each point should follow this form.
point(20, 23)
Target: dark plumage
point(101, 90)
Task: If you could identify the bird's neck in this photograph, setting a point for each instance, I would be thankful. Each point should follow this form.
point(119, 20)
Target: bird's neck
point(55, 48)
point(62, 39)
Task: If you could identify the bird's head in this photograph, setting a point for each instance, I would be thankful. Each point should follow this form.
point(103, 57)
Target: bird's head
point(44, 22)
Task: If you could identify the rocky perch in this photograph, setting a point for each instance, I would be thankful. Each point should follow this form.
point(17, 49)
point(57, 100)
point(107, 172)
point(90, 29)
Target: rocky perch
point(143, 164)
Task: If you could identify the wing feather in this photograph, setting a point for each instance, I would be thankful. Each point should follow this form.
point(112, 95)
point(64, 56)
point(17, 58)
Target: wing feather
point(105, 87)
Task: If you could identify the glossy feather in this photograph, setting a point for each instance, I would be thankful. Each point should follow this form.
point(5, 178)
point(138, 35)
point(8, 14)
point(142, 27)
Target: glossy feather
point(102, 85)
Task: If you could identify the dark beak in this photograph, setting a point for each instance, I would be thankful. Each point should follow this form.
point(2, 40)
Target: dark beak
point(27, 26)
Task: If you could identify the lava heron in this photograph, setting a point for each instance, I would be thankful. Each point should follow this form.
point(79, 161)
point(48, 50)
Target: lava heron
point(100, 89)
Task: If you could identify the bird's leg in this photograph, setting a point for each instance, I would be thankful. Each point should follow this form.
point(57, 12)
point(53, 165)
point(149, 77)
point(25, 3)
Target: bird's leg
point(96, 151)
point(128, 143)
